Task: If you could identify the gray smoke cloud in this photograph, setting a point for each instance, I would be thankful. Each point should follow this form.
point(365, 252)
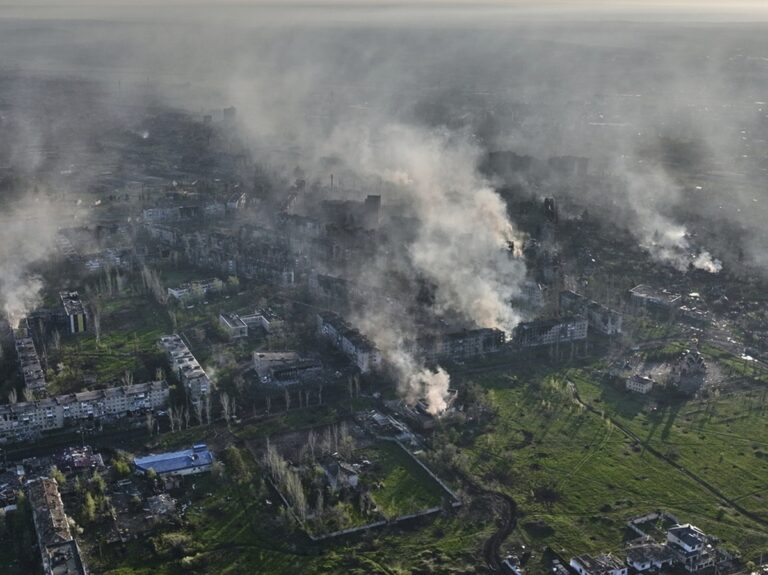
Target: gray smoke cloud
point(461, 246)
point(27, 237)
point(416, 96)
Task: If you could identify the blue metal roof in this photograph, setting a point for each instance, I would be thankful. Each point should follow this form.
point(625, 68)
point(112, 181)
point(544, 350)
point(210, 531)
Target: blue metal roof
point(175, 461)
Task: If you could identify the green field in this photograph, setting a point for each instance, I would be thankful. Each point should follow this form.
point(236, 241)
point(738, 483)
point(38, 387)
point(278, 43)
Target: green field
point(232, 529)
point(406, 487)
point(577, 478)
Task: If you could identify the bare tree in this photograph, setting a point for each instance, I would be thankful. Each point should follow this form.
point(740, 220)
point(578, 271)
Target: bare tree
point(128, 377)
point(198, 407)
point(207, 399)
point(159, 374)
point(12, 398)
point(226, 406)
point(56, 340)
point(268, 401)
point(312, 443)
point(287, 399)
point(150, 422)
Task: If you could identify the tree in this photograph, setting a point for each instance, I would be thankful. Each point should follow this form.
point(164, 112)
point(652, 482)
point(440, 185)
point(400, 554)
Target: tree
point(236, 466)
point(226, 406)
point(151, 474)
point(88, 511)
point(122, 468)
point(56, 474)
point(98, 483)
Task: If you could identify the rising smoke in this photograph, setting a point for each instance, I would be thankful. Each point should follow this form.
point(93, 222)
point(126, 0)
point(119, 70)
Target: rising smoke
point(416, 97)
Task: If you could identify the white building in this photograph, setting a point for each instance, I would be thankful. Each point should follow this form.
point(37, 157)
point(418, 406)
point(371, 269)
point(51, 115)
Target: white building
point(551, 332)
point(600, 565)
point(639, 384)
point(351, 342)
point(186, 367)
point(691, 547)
point(26, 420)
point(649, 557)
point(233, 324)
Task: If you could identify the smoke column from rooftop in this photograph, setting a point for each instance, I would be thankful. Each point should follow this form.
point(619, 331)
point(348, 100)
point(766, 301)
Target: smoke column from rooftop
point(461, 245)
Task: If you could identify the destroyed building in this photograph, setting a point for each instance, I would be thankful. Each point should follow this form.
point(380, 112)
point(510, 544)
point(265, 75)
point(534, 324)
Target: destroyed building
point(59, 551)
point(74, 310)
point(358, 348)
point(28, 419)
point(550, 332)
point(186, 367)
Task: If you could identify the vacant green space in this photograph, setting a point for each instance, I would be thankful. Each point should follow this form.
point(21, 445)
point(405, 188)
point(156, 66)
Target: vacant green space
point(723, 438)
point(578, 478)
point(235, 528)
point(130, 329)
point(405, 487)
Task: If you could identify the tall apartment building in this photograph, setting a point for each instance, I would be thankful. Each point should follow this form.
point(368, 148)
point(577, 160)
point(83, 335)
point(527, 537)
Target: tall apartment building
point(59, 551)
point(26, 420)
point(74, 310)
point(186, 367)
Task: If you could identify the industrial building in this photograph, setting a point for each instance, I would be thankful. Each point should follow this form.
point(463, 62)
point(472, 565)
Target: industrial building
point(185, 462)
point(74, 310)
point(59, 551)
point(24, 420)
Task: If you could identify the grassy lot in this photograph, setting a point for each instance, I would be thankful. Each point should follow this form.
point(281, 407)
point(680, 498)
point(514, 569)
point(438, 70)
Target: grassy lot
point(131, 327)
point(232, 529)
point(723, 440)
point(407, 488)
point(580, 478)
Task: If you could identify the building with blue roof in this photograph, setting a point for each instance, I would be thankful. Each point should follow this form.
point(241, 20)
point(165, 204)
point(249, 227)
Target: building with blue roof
point(186, 462)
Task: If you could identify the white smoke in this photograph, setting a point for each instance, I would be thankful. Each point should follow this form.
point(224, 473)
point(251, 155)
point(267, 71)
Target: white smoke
point(667, 241)
point(461, 247)
point(27, 236)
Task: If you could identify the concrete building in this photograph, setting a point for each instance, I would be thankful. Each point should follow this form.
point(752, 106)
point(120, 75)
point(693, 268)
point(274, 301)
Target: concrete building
point(601, 318)
point(74, 310)
point(186, 367)
point(197, 288)
point(600, 565)
point(462, 344)
point(26, 420)
point(284, 367)
point(29, 362)
point(639, 384)
point(59, 551)
point(235, 327)
point(358, 348)
point(643, 296)
point(649, 557)
point(550, 332)
point(186, 462)
point(692, 547)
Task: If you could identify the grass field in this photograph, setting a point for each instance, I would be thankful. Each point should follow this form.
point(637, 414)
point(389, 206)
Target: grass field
point(406, 486)
point(232, 529)
point(580, 478)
